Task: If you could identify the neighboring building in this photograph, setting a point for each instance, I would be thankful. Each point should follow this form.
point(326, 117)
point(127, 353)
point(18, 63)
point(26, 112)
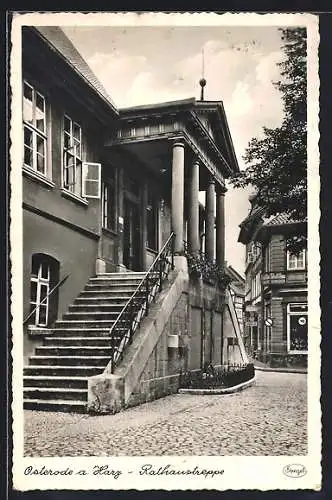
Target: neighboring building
point(276, 306)
point(237, 291)
point(103, 190)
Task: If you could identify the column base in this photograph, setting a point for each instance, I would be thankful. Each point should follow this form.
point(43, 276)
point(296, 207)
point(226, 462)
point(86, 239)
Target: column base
point(100, 266)
point(181, 264)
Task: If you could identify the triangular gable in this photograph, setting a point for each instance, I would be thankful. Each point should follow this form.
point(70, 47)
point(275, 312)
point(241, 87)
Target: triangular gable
point(213, 117)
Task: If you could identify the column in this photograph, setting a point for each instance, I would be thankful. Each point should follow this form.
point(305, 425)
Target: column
point(220, 226)
point(178, 195)
point(193, 222)
point(210, 201)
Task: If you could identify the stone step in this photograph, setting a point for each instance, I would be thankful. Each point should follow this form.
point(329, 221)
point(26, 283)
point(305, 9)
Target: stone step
point(100, 361)
point(96, 292)
point(55, 393)
point(79, 341)
point(55, 405)
point(111, 276)
point(55, 381)
point(101, 324)
point(76, 371)
point(80, 332)
point(126, 286)
point(71, 350)
point(102, 306)
point(84, 315)
point(101, 300)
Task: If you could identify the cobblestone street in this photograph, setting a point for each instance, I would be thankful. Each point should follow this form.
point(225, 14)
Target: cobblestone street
point(269, 418)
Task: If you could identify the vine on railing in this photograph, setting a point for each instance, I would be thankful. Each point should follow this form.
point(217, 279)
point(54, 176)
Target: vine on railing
point(137, 306)
point(200, 265)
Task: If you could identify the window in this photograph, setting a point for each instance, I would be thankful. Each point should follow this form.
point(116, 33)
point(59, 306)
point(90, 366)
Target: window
point(91, 180)
point(109, 203)
point(297, 328)
point(34, 125)
point(72, 156)
point(267, 256)
point(44, 277)
point(296, 261)
point(152, 221)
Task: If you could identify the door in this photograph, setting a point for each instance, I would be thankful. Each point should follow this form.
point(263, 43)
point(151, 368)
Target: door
point(132, 236)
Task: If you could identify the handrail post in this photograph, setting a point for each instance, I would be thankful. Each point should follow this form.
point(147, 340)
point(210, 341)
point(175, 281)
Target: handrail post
point(160, 274)
point(172, 249)
point(147, 291)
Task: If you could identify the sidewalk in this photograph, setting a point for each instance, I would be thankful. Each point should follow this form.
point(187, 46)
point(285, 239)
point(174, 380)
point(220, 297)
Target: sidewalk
point(259, 366)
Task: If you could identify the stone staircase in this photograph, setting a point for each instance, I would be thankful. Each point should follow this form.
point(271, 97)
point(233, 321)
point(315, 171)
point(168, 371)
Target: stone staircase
point(79, 346)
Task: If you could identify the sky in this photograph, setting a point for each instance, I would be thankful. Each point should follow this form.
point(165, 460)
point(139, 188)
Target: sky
point(141, 65)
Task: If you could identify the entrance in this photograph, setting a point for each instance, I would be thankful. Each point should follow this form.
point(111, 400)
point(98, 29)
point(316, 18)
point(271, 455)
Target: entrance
point(132, 235)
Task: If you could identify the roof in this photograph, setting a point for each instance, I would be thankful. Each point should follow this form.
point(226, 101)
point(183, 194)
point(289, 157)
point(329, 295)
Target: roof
point(61, 43)
point(222, 142)
point(279, 220)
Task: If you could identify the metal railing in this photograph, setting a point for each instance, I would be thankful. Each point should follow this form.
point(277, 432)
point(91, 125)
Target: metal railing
point(137, 307)
point(45, 298)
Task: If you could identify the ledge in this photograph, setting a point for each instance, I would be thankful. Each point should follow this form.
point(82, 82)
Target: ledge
point(281, 369)
point(73, 197)
point(35, 331)
point(32, 174)
point(225, 390)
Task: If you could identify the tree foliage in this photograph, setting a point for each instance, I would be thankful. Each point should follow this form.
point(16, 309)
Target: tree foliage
point(277, 162)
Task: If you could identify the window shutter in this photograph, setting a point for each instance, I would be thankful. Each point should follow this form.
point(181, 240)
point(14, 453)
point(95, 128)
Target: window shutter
point(91, 180)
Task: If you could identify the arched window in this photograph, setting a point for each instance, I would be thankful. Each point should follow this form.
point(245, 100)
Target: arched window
point(44, 277)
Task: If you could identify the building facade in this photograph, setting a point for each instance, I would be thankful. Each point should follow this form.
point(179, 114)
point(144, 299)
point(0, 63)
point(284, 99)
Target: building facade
point(237, 291)
point(276, 307)
point(104, 190)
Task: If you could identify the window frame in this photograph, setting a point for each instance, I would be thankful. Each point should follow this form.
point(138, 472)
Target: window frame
point(290, 313)
point(40, 282)
point(36, 132)
point(65, 151)
point(297, 268)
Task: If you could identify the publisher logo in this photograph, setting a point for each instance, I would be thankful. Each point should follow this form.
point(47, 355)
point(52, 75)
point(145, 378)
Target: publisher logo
point(294, 470)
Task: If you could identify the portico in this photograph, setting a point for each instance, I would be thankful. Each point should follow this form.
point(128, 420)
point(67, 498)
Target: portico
point(184, 148)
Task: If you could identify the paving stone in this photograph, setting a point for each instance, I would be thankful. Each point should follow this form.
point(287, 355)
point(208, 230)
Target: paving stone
point(266, 419)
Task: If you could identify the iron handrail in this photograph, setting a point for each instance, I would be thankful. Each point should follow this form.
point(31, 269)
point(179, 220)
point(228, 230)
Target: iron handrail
point(131, 315)
point(46, 297)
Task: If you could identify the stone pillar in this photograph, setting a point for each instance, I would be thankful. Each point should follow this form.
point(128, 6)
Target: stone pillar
point(220, 226)
point(193, 222)
point(210, 202)
point(178, 195)
point(144, 237)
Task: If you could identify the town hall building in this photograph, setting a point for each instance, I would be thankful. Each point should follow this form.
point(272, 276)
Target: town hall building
point(121, 291)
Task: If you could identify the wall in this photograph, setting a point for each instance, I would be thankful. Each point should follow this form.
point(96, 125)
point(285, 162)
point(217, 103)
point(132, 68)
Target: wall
point(43, 236)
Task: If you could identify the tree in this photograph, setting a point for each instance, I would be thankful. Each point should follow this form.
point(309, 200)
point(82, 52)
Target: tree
point(277, 162)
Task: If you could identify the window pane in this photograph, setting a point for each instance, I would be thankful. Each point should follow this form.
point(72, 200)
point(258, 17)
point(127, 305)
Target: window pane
point(45, 270)
point(91, 188)
point(298, 332)
point(66, 141)
point(28, 137)
point(42, 315)
point(41, 164)
point(27, 92)
point(67, 124)
point(28, 157)
point(33, 291)
point(40, 102)
point(40, 145)
point(27, 111)
point(40, 121)
point(43, 292)
point(77, 148)
point(78, 177)
point(92, 172)
point(77, 131)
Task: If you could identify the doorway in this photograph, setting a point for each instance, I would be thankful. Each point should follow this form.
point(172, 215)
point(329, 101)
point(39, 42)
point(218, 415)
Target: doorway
point(132, 235)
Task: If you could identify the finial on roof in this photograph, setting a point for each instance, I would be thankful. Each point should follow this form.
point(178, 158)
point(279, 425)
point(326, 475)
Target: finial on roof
point(202, 81)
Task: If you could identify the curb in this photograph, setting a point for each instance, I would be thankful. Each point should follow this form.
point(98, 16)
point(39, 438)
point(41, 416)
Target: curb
point(280, 370)
point(227, 390)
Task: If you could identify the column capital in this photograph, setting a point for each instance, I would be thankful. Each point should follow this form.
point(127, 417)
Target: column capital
point(221, 190)
point(178, 142)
